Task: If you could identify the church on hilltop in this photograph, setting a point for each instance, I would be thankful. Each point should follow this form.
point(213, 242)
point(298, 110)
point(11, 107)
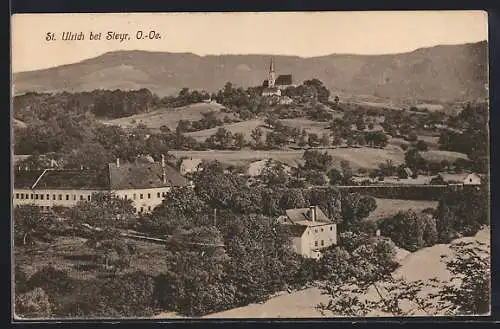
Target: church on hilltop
point(273, 86)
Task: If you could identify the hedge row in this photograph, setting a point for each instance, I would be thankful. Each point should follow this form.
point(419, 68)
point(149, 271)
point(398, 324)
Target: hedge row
point(408, 192)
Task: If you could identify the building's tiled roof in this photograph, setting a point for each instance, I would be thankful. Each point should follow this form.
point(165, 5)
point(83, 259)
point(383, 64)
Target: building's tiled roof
point(302, 216)
point(284, 80)
point(24, 179)
point(126, 176)
point(147, 175)
point(73, 179)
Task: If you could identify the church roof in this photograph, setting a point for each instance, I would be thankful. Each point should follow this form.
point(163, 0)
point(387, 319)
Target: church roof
point(284, 80)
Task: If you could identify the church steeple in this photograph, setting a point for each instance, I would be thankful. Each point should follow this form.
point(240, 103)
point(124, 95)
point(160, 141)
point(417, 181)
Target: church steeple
point(272, 75)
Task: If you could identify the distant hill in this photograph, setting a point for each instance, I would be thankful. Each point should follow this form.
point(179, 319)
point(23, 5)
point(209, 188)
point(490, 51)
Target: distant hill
point(440, 73)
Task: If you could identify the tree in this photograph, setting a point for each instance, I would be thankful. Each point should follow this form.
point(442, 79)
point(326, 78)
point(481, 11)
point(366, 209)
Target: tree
point(239, 140)
point(470, 265)
point(410, 230)
point(33, 304)
point(335, 177)
point(346, 171)
point(355, 208)
point(104, 210)
point(273, 174)
point(325, 140)
point(256, 135)
point(214, 186)
point(421, 145)
point(317, 160)
point(292, 198)
point(415, 161)
point(412, 137)
point(313, 140)
point(356, 265)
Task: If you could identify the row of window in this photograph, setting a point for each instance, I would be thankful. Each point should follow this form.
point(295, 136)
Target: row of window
point(322, 230)
point(316, 243)
point(67, 197)
point(48, 208)
point(141, 196)
point(37, 196)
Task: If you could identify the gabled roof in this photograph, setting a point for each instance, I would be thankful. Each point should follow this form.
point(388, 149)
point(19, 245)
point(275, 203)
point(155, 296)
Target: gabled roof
point(143, 175)
point(301, 216)
point(284, 80)
point(61, 179)
point(125, 176)
point(24, 179)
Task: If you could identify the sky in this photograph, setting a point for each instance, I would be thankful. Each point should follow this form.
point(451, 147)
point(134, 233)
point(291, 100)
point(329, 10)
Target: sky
point(292, 33)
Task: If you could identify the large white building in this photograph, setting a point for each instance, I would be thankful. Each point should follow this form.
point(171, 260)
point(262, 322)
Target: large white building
point(310, 231)
point(144, 183)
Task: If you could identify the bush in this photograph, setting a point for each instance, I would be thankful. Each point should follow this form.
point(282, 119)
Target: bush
point(409, 230)
point(33, 304)
point(421, 145)
point(52, 280)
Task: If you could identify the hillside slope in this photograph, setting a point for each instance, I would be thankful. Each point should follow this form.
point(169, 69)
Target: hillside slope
point(438, 73)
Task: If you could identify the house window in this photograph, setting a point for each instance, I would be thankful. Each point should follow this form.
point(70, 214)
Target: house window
point(67, 197)
point(27, 196)
point(321, 229)
point(315, 243)
point(60, 196)
point(163, 194)
point(149, 195)
point(53, 196)
point(17, 195)
point(36, 196)
point(41, 196)
point(88, 197)
point(74, 197)
point(48, 197)
point(316, 231)
point(331, 228)
point(322, 243)
point(158, 194)
point(149, 208)
point(141, 196)
point(142, 209)
point(81, 197)
point(125, 196)
point(31, 197)
point(135, 196)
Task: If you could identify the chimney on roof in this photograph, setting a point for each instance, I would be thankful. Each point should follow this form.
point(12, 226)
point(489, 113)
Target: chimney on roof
point(118, 162)
point(313, 213)
point(163, 174)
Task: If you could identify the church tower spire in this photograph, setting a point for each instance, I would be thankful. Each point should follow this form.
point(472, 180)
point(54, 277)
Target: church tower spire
point(272, 74)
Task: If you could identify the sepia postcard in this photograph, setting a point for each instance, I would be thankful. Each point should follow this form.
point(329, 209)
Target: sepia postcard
point(250, 165)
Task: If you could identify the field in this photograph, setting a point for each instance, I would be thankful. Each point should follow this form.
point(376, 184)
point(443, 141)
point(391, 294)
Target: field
point(169, 116)
point(309, 125)
point(390, 207)
point(438, 156)
point(244, 127)
point(72, 254)
point(367, 158)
